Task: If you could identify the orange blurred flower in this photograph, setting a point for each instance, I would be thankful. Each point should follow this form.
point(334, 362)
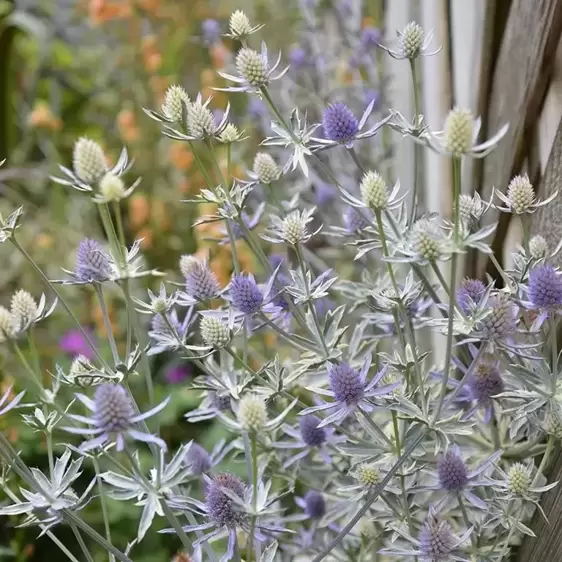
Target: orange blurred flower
point(101, 11)
point(219, 55)
point(44, 241)
point(139, 211)
point(151, 6)
point(42, 117)
point(160, 216)
point(181, 156)
point(97, 317)
point(146, 237)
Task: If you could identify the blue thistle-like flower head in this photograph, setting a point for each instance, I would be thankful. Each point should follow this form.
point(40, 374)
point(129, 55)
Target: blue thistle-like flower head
point(198, 459)
point(245, 294)
point(200, 282)
point(311, 434)
point(545, 287)
point(220, 402)
point(114, 410)
point(92, 263)
point(370, 36)
point(297, 57)
point(436, 539)
point(354, 221)
point(470, 293)
point(211, 30)
point(315, 506)
point(452, 471)
point(485, 382)
point(340, 125)
point(346, 383)
point(220, 507)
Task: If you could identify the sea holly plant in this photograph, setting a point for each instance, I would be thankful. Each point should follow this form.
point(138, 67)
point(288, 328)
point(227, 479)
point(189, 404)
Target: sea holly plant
point(345, 435)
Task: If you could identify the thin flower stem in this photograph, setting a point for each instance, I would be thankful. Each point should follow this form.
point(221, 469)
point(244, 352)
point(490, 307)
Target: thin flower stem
point(377, 429)
point(371, 498)
point(277, 113)
point(398, 450)
point(32, 376)
point(500, 270)
point(356, 160)
point(550, 445)
point(63, 548)
point(254, 462)
point(61, 300)
point(467, 522)
point(103, 505)
point(107, 323)
point(553, 350)
point(119, 221)
point(176, 525)
point(495, 429)
point(81, 542)
point(417, 147)
point(50, 455)
point(117, 250)
point(288, 337)
point(526, 224)
point(236, 555)
point(440, 277)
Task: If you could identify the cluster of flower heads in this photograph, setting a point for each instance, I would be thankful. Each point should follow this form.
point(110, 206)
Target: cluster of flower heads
point(349, 437)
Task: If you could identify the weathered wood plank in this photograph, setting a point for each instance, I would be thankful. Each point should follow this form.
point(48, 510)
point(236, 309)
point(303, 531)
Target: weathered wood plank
point(520, 79)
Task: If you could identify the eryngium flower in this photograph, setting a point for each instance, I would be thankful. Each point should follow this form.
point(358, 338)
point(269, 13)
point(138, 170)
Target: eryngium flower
point(92, 263)
point(245, 294)
point(7, 324)
point(346, 383)
point(459, 128)
point(311, 434)
point(294, 228)
point(88, 160)
point(485, 383)
point(452, 471)
point(471, 208)
point(214, 332)
point(211, 30)
point(436, 539)
point(220, 402)
point(252, 412)
point(239, 25)
point(113, 418)
point(425, 240)
point(83, 373)
point(112, 187)
point(200, 281)
point(187, 263)
point(314, 504)
point(198, 459)
point(253, 67)
point(519, 479)
point(354, 221)
point(520, 195)
point(200, 120)
point(265, 168)
point(501, 321)
point(340, 124)
point(411, 40)
point(231, 134)
point(24, 309)
point(221, 509)
point(176, 102)
point(469, 294)
point(374, 191)
point(545, 287)
point(368, 474)
point(538, 247)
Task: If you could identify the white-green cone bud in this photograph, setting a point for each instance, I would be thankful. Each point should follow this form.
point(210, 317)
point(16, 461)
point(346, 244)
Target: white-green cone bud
point(411, 40)
point(367, 528)
point(538, 247)
point(239, 25)
point(252, 66)
point(470, 208)
point(200, 121)
point(188, 263)
point(252, 412)
point(294, 229)
point(552, 424)
point(459, 128)
point(214, 332)
point(368, 474)
point(230, 134)
point(175, 99)
point(7, 324)
point(520, 194)
point(23, 309)
point(265, 168)
point(88, 160)
point(519, 479)
point(374, 191)
point(425, 241)
point(112, 187)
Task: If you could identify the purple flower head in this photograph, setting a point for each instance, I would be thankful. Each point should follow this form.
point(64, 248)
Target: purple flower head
point(485, 383)
point(92, 263)
point(220, 507)
point(346, 383)
point(354, 221)
point(340, 124)
point(311, 434)
point(324, 193)
point(452, 471)
point(545, 287)
point(469, 294)
point(177, 373)
point(113, 418)
point(276, 260)
point(436, 539)
point(211, 31)
point(297, 57)
point(74, 343)
point(245, 294)
point(315, 505)
point(370, 37)
point(256, 108)
point(201, 283)
point(220, 402)
point(198, 459)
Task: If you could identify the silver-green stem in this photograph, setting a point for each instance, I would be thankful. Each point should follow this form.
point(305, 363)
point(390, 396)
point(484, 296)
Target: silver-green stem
point(254, 461)
point(81, 542)
point(439, 276)
point(107, 323)
point(417, 147)
point(467, 522)
point(103, 505)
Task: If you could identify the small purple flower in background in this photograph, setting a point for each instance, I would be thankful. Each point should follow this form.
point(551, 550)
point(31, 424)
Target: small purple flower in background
point(545, 293)
point(354, 221)
point(210, 407)
point(178, 373)
point(370, 37)
point(339, 123)
point(324, 193)
point(199, 461)
point(211, 31)
point(113, 418)
point(310, 439)
point(74, 343)
point(92, 263)
point(298, 57)
point(313, 503)
point(350, 390)
point(469, 294)
point(256, 108)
